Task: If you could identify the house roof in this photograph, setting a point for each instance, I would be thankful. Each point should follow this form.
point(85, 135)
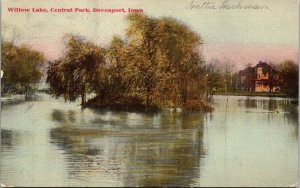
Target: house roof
point(263, 64)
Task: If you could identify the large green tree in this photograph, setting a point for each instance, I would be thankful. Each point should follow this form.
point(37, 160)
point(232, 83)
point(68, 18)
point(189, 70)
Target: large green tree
point(143, 45)
point(75, 74)
point(165, 59)
point(22, 67)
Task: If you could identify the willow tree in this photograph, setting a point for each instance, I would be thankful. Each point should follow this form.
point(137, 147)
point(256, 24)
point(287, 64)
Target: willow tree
point(183, 64)
point(165, 59)
point(75, 74)
point(116, 79)
point(22, 67)
point(143, 46)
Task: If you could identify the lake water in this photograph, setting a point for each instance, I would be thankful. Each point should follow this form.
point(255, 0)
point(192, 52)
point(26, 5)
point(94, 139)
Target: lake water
point(245, 141)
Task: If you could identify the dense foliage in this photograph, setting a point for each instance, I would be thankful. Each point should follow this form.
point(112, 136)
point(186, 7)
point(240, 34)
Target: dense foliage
point(158, 64)
point(22, 67)
point(75, 74)
point(288, 72)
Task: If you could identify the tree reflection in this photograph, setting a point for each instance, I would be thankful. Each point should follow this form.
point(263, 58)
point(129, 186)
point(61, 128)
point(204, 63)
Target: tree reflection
point(7, 103)
point(165, 151)
point(6, 138)
point(270, 104)
point(292, 117)
point(250, 103)
point(162, 163)
point(62, 116)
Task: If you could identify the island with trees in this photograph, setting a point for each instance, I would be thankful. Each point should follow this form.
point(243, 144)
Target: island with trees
point(157, 65)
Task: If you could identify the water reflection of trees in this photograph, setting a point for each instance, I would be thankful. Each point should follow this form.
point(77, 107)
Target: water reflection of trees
point(62, 116)
point(15, 100)
point(155, 163)
point(250, 103)
point(6, 138)
point(269, 104)
point(167, 152)
point(4, 104)
point(292, 119)
point(168, 159)
point(288, 108)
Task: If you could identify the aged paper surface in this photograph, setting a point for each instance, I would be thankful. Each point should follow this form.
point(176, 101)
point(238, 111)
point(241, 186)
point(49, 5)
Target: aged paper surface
point(149, 93)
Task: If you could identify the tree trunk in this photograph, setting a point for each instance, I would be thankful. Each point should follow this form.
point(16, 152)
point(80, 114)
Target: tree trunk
point(147, 98)
point(83, 99)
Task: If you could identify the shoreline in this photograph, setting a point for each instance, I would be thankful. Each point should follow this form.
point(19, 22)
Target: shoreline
point(255, 94)
point(135, 105)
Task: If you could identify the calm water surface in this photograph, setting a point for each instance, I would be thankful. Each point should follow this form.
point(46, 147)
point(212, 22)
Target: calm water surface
point(245, 141)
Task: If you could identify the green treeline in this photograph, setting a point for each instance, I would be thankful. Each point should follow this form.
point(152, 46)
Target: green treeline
point(22, 67)
point(157, 65)
point(223, 78)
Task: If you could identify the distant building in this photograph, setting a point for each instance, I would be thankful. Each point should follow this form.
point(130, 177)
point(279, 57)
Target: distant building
point(261, 78)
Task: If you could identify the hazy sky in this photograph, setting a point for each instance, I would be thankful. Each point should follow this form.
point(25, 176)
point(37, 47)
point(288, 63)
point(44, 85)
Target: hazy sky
point(243, 36)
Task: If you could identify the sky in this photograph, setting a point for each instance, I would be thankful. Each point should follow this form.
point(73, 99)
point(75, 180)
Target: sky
point(239, 35)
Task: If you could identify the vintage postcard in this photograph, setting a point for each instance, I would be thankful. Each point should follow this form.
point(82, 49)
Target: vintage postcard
point(144, 93)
